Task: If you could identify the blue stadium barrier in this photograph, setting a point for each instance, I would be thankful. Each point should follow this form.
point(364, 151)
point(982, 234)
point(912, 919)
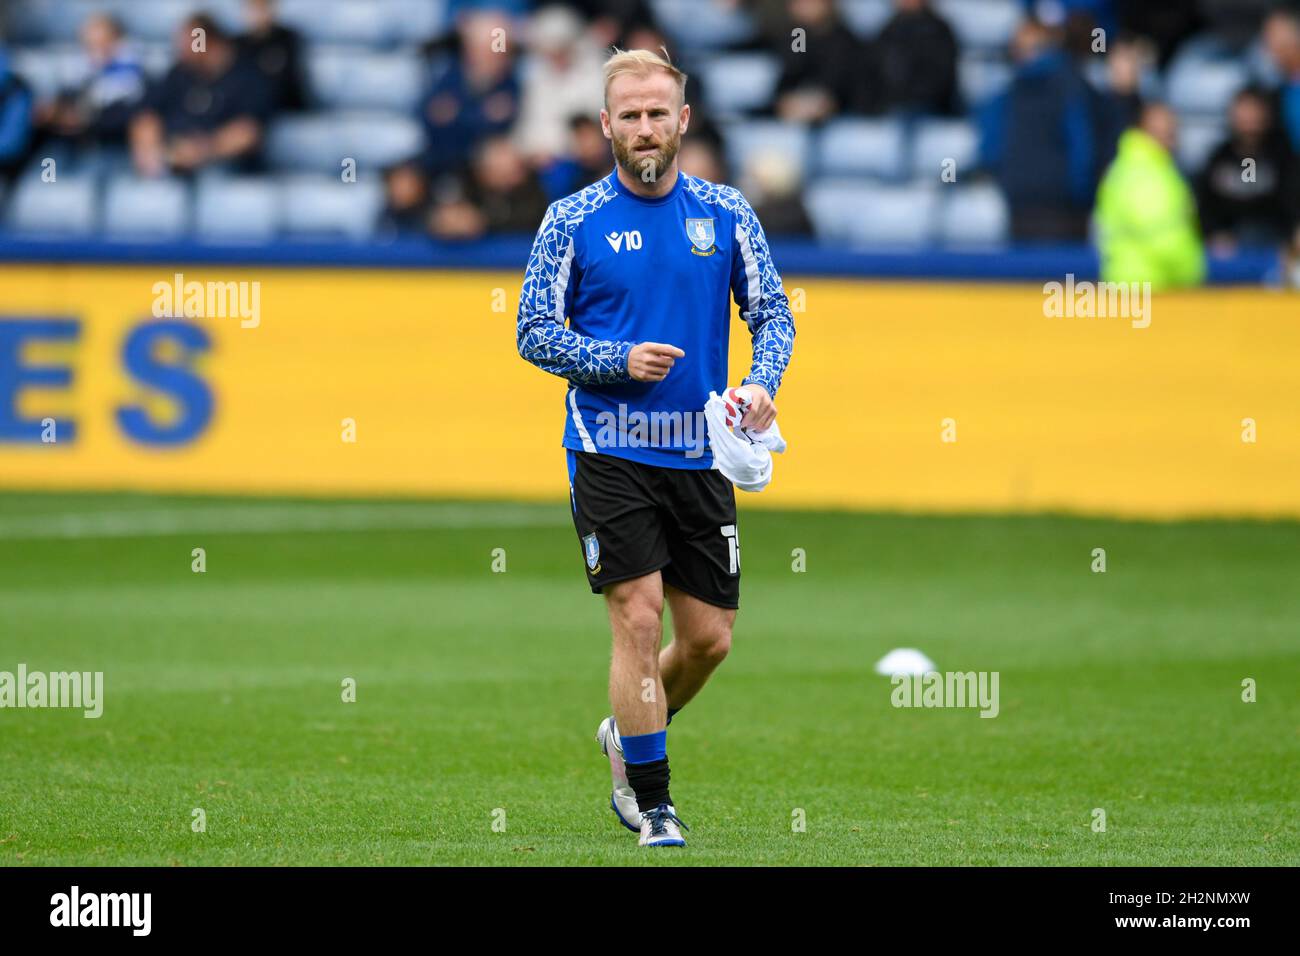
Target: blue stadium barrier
point(793, 257)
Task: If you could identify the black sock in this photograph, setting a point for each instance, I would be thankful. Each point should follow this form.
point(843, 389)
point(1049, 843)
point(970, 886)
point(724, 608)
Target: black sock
point(650, 781)
point(671, 712)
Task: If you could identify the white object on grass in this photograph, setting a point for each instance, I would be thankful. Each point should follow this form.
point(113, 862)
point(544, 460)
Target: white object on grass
point(904, 660)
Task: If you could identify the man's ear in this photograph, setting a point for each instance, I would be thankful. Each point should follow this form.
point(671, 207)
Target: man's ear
point(684, 119)
point(604, 124)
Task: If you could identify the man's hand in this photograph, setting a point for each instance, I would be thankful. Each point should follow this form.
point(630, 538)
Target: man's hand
point(652, 361)
point(762, 410)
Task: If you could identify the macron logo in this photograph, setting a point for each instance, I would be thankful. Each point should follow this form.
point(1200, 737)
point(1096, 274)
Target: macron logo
point(616, 240)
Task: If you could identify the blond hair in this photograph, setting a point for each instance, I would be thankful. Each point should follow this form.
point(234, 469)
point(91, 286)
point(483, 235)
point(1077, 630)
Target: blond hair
point(641, 63)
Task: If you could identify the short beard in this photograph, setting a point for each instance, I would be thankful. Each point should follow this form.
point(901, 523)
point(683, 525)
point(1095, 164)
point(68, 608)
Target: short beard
point(648, 169)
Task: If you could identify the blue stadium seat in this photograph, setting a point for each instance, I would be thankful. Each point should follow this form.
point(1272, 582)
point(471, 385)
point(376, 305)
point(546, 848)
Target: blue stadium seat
point(47, 21)
point(48, 69)
point(66, 207)
point(698, 25)
point(320, 142)
point(415, 21)
point(866, 17)
point(311, 142)
point(363, 22)
point(748, 139)
point(246, 208)
point(740, 83)
point(982, 24)
point(973, 216)
point(325, 206)
point(146, 208)
point(156, 21)
point(981, 78)
point(852, 213)
point(381, 139)
point(937, 140)
point(865, 147)
point(347, 77)
point(1198, 137)
point(1205, 87)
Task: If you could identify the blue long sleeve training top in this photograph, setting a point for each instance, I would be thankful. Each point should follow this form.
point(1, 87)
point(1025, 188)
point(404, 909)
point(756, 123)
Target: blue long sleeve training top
point(625, 269)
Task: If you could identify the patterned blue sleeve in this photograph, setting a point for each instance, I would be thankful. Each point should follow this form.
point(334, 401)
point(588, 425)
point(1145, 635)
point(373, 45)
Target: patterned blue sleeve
point(756, 286)
point(540, 332)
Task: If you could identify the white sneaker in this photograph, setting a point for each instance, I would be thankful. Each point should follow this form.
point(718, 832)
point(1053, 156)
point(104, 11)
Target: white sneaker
point(660, 827)
point(622, 800)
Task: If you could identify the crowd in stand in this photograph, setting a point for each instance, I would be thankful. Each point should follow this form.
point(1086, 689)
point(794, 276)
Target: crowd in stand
point(510, 126)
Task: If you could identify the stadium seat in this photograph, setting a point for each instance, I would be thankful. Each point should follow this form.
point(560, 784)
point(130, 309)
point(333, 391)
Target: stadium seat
point(47, 21)
point(937, 140)
point(325, 206)
point(1205, 87)
point(856, 214)
point(740, 83)
point(66, 207)
point(320, 142)
point(311, 142)
point(866, 17)
point(237, 209)
point(1198, 137)
point(981, 78)
point(48, 69)
point(348, 78)
point(746, 140)
point(153, 208)
point(975, 216)
point(982, 24)
point(416, 21)
point(866, 147)
point(704, 26)
point(156, 21)
point(363, 22)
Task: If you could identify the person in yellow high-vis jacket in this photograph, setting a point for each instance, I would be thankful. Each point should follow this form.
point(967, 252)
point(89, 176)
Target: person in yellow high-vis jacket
point(1147, 227)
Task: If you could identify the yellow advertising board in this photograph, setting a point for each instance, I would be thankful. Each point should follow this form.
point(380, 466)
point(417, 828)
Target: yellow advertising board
point(900, 395)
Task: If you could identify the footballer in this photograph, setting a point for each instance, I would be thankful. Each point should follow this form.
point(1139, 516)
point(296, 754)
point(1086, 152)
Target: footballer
point(643, 265)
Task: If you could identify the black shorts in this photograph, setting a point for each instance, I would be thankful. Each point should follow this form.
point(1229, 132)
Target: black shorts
point(633, 519)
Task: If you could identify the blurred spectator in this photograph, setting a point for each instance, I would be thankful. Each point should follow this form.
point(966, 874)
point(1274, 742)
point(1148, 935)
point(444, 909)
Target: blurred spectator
point(828, 74)
point(916, 56)
point(276, 51)
point(1234, 24)
point(563, 75)
point(772, 187)
point(16, 113)
point(97, 112)
point(209, 109)
point(499, 194)
point(1040, 140)
point(1165, 23)
point(588, 160)
point(1119, 102)
point(611, 20)
point(702, 159)
point(1058, 13)
point(473, 94)
point(406, 200)
point(1146, 214)
point(1249, 193)
point(1282, 39)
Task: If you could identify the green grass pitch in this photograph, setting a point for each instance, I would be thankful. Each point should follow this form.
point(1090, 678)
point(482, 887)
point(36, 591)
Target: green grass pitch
point(479, 692)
